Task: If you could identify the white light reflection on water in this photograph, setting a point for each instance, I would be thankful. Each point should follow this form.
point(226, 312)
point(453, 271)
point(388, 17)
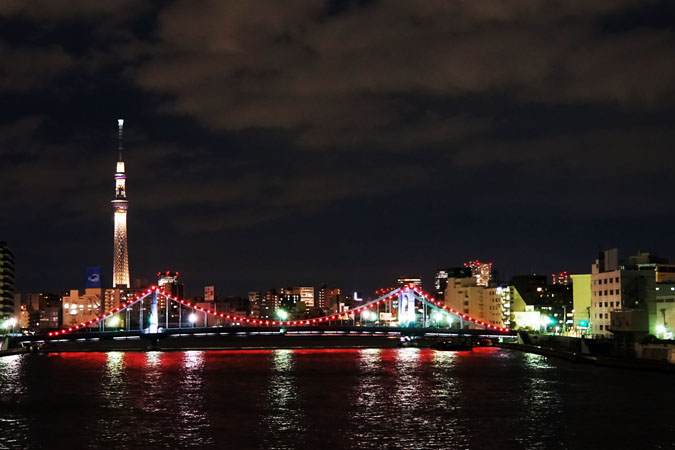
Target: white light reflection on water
point(153, 384)
point(447, 396)
point(193, 423)
point(369, 389)
point(112, 394)
point(407, 398)
point(153, 358)
point(370, 416)
point(14, 426)
point(414, 397)
point(10, 369)
point(283, 420)
point(112, 384)
point(541, 404)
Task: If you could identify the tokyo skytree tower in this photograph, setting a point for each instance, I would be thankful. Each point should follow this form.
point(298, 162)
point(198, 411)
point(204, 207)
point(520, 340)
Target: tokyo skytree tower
point(120, 204)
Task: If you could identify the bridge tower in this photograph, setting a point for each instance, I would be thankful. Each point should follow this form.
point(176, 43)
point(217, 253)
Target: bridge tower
point(406, 308)
point(120, 204)
point(154, 318)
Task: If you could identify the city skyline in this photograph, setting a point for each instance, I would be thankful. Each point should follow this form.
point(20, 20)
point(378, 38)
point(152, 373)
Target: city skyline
point(353, 224)
point(324, 158)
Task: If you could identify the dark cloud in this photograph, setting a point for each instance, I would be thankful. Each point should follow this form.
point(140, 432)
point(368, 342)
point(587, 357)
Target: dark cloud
point(29, 67)
point(333, 78)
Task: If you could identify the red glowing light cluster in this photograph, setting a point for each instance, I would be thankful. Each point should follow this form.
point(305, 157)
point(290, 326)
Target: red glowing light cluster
point(315, 321)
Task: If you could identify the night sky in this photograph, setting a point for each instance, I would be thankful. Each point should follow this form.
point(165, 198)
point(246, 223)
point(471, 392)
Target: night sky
point(274, 143)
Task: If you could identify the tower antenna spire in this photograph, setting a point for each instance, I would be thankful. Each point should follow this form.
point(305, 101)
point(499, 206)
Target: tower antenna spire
point(120, 137)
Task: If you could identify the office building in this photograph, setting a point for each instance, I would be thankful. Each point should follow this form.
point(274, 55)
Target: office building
point(442, 275)
point(482, 272)
point(664, 310)
point(305, 293)
point(254, 303)
point(480, 302)
point(170, 283)
point(563, 278)
point(620, 286)
point(407, 281)
point(81, 306)
point(581, 300)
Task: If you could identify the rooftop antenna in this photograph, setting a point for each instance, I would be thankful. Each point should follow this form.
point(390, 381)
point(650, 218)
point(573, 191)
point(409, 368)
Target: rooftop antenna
point(120, 136)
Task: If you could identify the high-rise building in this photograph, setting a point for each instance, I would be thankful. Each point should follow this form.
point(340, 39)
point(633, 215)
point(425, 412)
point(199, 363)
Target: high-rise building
point(442, 275)
point(170, 283)
point(47, 313)
point(480, 302)
point(289, 299)
point(6, 282)
point(254, 302)
point(271, 301)
point(328, 298)
point(120, 205)
point(562, 278)
point(306, 294)
point(617, 286)
point(482, 272)
point(263, 305)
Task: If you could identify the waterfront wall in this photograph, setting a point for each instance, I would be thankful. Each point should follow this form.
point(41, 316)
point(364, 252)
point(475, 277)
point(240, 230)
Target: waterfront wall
point(218, 342)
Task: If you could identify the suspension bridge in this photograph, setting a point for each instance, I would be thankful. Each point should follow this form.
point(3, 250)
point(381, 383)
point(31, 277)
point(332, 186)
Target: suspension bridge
point(413, 314)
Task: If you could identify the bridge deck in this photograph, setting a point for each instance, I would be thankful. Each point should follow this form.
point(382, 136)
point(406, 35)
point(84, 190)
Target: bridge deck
point(251, 337)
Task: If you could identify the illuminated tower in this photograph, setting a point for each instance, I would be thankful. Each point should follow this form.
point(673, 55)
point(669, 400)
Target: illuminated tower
point(120, 255)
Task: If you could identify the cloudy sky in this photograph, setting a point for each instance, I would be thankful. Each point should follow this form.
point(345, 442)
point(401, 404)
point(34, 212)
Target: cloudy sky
point(275, 143)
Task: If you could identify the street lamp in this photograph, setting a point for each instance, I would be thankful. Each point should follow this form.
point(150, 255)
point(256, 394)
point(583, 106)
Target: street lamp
point(367, 315)
point(114, 321)
point(192, 318)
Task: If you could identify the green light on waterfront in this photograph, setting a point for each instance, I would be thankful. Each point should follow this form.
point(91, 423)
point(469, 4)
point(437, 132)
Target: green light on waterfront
point(283, 315)
point(547, 321)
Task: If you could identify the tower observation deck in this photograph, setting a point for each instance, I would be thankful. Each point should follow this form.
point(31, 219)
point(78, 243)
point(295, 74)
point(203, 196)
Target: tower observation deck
point(120, 206)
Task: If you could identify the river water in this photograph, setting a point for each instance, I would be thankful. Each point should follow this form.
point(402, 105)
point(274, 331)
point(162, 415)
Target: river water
point(313, 399)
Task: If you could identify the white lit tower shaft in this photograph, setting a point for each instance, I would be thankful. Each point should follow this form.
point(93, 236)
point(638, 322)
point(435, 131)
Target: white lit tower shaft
point(120, 204)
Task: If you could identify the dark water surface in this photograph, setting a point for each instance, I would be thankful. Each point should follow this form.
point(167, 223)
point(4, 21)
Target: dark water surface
point(313, 399)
